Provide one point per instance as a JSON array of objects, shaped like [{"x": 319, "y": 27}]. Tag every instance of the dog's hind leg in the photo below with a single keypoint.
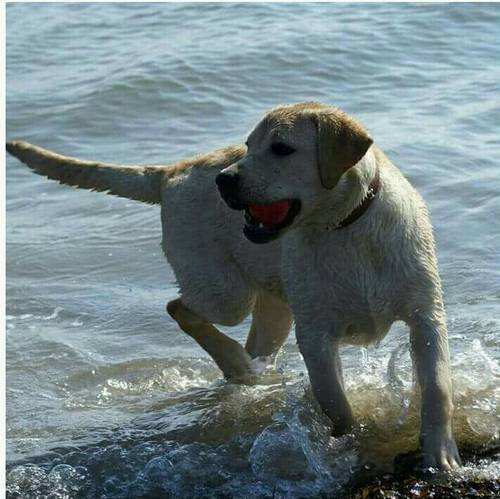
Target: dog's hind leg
[
  {"x": 271, "y": 323},
  {"x": 231, "y": 358}
]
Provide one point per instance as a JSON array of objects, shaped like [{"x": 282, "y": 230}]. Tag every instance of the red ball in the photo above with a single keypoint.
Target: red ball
[{"x": 270, "y": 214}]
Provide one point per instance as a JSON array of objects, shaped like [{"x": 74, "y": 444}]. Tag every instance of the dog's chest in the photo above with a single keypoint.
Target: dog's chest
[{"x": 342, "y": 276}]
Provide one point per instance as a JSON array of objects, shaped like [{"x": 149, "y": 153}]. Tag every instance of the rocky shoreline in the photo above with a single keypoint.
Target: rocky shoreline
[{"x": 409, "y": 481}]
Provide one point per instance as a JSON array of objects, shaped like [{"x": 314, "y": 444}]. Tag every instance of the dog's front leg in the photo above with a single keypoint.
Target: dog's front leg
[
  {"x": 231, "y": 358},
  {"x": 429, "y": 343},
  {"x": 322, "y": 359}
]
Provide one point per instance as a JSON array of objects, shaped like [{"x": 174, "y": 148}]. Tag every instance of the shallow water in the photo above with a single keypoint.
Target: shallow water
[{"x": 105, "y": 396}]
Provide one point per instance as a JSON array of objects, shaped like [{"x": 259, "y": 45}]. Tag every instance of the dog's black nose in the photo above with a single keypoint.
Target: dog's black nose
[
  {"x": 228, "y": 184},
  {"x": 228, "y": 188}
]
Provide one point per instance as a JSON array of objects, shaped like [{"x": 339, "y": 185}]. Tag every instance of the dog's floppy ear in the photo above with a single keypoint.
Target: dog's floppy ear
[{"x": 342, "y": 142}]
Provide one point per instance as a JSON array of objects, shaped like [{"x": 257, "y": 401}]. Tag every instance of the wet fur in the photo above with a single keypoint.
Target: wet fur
[{"x": 346, "y": 285}]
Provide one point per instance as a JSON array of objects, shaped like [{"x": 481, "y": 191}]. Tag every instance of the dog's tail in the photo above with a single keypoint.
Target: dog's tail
[{"x": 142, "y": 183}]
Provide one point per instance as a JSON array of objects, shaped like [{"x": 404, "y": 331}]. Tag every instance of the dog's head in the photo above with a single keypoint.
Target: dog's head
[{"x": 295, "y": 154}]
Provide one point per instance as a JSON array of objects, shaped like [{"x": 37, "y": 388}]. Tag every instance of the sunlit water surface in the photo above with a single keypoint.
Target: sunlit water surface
[{"x": 106, "y": 396}]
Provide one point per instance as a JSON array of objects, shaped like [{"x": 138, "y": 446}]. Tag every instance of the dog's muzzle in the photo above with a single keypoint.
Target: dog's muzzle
[{"x": 263, "y": 222}]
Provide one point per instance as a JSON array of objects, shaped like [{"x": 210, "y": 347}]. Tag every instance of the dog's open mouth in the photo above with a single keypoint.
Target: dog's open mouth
[{"x": 264, "y": 222}]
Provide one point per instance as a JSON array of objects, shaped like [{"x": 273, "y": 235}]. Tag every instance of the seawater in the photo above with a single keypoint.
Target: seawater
[{"x": 106, "y": 397}]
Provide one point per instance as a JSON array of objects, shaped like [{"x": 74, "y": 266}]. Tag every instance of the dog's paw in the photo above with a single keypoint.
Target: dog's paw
[
  {"x": 242, "y": 369},
  {"x": 439, "y": 450},
  {"x": 260, "y": 364}
]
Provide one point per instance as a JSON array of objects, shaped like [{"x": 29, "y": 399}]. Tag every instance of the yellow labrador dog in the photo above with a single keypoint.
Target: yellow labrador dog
[{"x": 315, "y": 220}]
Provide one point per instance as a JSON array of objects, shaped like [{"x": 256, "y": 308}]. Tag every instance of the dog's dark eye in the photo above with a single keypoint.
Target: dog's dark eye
[{"x": 281, "y": 149}]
